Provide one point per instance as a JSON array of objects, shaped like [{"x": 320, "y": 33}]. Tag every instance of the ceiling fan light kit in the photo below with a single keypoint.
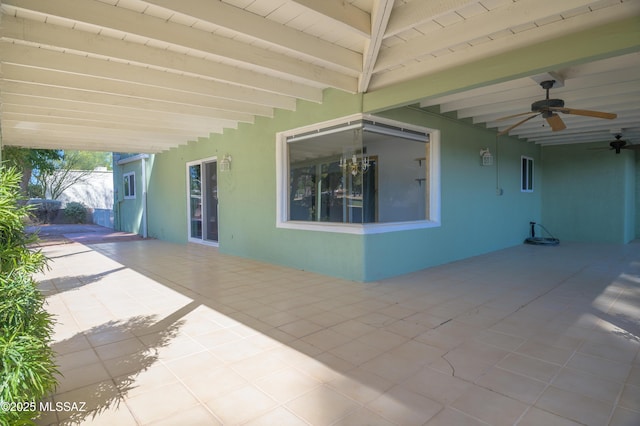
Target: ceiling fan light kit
[{"x": 548, "y": 109}]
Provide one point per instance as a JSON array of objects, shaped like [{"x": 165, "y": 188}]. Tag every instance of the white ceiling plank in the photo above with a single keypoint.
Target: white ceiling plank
[
  {"x": 380, "y": 17},
  {"x": 416, "y": 13},
  {"x": 508, "y": 16},
  {"x": 12, "y": 72},
  {"x": 503, "y": 45},
  {"x": 252, "y": 25},
  {"x": 342, "y": 12},
  {"x": 50, "y": 35},
  {"x": 238, "y": 53},
  {"x": 57, "y": 106},
  {"x": 69, "y": 62},
  {"x": 119, "y": 100},
  {"x": 122, "y": 126}
]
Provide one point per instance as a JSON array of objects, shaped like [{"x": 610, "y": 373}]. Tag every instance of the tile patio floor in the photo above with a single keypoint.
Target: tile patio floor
[{"x": 152, "y": 333}]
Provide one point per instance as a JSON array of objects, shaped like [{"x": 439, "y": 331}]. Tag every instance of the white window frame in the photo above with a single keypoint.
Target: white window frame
[
  {"x": 282, "y": 183},
  {"x": 526, "y": 174},
  {"x": 127, "y": 179}
]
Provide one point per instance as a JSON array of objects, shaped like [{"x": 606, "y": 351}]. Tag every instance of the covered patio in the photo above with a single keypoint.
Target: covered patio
[{"x": 154, "y": 333}]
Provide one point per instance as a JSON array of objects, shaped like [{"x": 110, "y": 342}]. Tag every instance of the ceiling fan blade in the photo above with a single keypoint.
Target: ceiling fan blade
[
  {"x": 504, "y": 132},
  {"x": 513, "y": 116},
  {"x": 585, "y": 112},
  {"x": 630, "y": 147},
  {"x": 555, "y": 122}
]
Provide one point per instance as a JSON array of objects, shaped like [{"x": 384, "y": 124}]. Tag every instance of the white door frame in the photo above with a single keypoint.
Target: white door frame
[{"x": 201, "y": 163}]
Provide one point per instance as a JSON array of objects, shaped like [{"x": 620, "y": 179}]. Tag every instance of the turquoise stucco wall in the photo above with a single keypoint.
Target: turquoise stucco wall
[
  {"x": 474, "y": 219},
  {"x": 128, "y": 212},
  {"x": 247, "y": 194},
  {"x": 589, "y": 194}
]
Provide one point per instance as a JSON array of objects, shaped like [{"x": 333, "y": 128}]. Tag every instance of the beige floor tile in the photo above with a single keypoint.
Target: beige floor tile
[
  {"x": 435, "y": 385},
  {"x": 155, "y": 376},
  {"x": 544, "y": 352},
  {"x": 211, "y": 384},
  {"x": 536, "y": 417},
  {"x": 161, "y": 402},
  {"x": 510, "y": 384},
  {"x": 356, "y": 352},
  {"x": 361, "y": 385},
  {"x": 300, "y": 328},
  {"x": 489, "y": 406},
  {"x": 382, "y": 339},
  {"x": 82, "y": 376},
  {"x": 322, "y": 406},
  {"x": 587, "y": 384},
  {"x": 287, "y": 384},
  {"x": 601, "y": 367},
  {"x": 197, "y": 415},
  {"x": 326, "y": 339},
  {"x": 353, "y": 328},
  {"x": 404, "y": 407},
  {"x": 528, "y": 366},
  {"x": 130, "y": 347},
  {"x": 449, "y": 417},
  {"x": 392, "y": 368},
  {"x": 625, "y": 417},
  {"x": 241, "y": 405},
  {"x": 575, "y": 406},
  {"x": 193, "y": 365},
  {"x": 278, "y": 416},
  {"x": 630, "y": 397},
  {"x": 260, "y": 365},
  {"x": 362, "y": 416},
  {"x": 236, "y": 350},
  {"x": 500, "y": 340}
]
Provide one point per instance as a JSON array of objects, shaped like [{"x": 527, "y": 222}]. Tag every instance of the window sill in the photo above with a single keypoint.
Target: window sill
[{"x": 358, "y": 229}]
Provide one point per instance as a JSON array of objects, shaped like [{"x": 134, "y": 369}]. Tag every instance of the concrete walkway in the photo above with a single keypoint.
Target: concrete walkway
[{"x": 81, "y": 233}]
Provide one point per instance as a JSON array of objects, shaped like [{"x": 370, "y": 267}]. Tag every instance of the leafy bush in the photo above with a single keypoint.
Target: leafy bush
[
  {"x": 77, "y": 212},
  {"x": 27, "y": 368}
]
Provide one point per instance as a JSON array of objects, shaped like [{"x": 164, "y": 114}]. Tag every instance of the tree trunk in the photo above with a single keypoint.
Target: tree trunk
[{"x": 26, "y": 177}]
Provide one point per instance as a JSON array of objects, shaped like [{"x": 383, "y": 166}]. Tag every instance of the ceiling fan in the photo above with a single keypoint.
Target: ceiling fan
[
  {"x": 548, "y": 108},
  {"x": 619, "y": 144}
]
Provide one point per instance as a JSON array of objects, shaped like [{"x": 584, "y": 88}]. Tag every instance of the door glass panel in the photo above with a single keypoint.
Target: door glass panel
[
  {"x": 195, "y": 201},
  {"x": 211, "y": 202}
]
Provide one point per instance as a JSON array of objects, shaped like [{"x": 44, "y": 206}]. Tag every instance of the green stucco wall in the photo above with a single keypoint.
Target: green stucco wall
[
  {"x": 128, "y": 213},
  {"x": 474, "y": 218},
  {"x": 589, "y": 194}
]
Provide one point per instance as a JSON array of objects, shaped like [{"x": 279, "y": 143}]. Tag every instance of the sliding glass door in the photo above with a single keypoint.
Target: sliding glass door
[{"x": 202, "y": 177}]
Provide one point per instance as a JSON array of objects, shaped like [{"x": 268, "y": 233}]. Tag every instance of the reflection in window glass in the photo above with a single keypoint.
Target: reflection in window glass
[{"x": 362, "y": 174}]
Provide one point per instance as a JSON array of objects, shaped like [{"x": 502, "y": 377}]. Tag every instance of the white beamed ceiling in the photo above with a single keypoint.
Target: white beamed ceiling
[{"x": 146, "y": 76}]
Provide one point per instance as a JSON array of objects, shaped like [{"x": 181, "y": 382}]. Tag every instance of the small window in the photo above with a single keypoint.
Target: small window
[
  {"x": 129, "y": 186},
  {"x": 526, "y": 184}
]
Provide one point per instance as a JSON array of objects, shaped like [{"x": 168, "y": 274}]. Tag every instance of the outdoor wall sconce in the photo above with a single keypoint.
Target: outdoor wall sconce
[
  {"x": 225, "y": 163},
  {"x": 487, "y": 158}
]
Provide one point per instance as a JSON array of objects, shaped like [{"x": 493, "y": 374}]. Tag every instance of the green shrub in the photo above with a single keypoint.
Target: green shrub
[
  {"x": 27, "y": 368},
  {"x": 77, "y": 212}
]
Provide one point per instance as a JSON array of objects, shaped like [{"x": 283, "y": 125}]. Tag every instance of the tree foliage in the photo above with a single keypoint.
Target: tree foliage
[
  {"x": 26, "y": 160},
  {"x": 27, "y": 368},
  {"x": 73, "y": 167}
]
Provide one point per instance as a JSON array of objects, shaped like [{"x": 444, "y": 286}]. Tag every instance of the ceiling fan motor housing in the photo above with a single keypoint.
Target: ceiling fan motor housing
[{"x": 540, "y": 106}]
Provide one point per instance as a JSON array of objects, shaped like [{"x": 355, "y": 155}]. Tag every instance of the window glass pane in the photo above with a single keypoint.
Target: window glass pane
[
  {"x": 357, "y": 176},
  {"x": 195, "y": 202}
]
